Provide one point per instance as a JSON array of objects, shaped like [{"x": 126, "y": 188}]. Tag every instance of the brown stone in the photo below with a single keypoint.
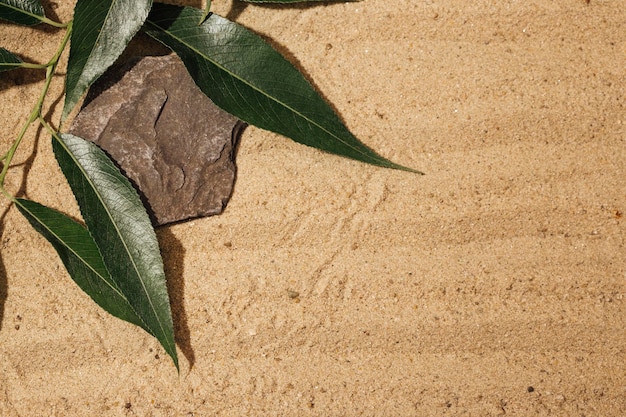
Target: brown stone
[{"x": 170, "y": 140}]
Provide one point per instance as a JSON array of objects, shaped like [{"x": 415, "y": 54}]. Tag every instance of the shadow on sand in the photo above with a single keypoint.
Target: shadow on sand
[{"x": 173, "y": 253}]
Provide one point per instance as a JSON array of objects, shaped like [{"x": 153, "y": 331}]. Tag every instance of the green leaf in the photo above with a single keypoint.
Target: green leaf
[
  {"x": 8, "y": 60},
  {"x": 121, "y": 229},
  {"x": 245, "y": 76},
  {"x": 23, "y": 12},
  {"x": 100, "y": 32},
  {"x": 81, "y": 258}
]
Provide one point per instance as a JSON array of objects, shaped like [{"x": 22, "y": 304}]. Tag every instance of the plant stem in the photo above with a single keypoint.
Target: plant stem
[
  {"x": 53, "y": 23},
  {"x": 32, "y": 66},
  {"x": 35, "y": 113},
  {"x": 207, "y": 7},
  {"x": 49, "y": 128}
]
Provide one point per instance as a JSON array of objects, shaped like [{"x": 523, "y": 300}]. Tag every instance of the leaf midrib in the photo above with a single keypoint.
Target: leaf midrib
[
  {"x": 36, "y": 16},
  {"x": 121, "y": 239},
  {"x": 58, "y": 238},
  {"x": 234, "y": 75},
  {"x": 96, "y": 41}
]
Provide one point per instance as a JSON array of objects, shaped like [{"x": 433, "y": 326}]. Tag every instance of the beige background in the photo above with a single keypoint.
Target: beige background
[{"x": 446, "y": 294}]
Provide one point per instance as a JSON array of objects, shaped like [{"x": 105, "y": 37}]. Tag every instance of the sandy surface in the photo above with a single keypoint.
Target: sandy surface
[{"x": 493, "y": 285}]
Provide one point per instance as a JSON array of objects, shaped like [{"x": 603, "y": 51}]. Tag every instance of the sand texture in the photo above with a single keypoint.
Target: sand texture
[{"x": 492, "y": 285}]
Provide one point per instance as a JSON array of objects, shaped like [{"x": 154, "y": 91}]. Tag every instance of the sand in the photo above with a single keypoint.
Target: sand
[{"x": 492, "y": 285}]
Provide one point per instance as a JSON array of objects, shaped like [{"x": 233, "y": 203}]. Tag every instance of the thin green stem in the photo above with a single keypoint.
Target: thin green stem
[
  {"x": 55, "y": 59},
  {"x": 207, "y": 8},
  {"x": 7, "y": 194},
  {"x": 32, "y": 66},
  {"x": 35, "y": 113},
  {"x": 49, "y": 128},
  {"x": 53, "y": 23}
]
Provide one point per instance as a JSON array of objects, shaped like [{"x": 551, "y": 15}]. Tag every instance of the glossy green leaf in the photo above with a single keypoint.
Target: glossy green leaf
[
  {"x": 81, "y": 258},
  {"x": 245, "y": 76},
  {"x": 101, "y": 31},
  {"x": 121, "y": 229},
  {"x": 23, "y": 12},
  {"x": 8, "y": 60}
]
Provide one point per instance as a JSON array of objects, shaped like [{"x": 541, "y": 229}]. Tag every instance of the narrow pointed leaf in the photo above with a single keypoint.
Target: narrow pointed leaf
[
  {"x": 245, "y": 76},
  {"x": 81, "y": 258},
  {"x": 23, "y": 12},
  {"x": 121, "y": 229},
  {"x": 8, "y": 60},
  {"x": 101, "y": 31}
]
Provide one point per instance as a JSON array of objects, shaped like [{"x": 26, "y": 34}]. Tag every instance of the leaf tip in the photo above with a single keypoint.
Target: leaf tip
[
  {"x": 392, "y": 165},
  {"x": 176, "y": 364},
  {"x": 411, "y": 170}
]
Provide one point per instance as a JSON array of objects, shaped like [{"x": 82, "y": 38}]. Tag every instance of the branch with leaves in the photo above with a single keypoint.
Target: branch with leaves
[{"x": 114, "y": 257}]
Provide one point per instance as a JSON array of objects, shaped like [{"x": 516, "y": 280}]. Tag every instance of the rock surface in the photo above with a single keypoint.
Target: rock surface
[{"x": 171, "y": 141}]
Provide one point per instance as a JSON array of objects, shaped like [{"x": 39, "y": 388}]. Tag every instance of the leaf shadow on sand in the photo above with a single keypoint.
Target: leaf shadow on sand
[{"x": 173, "y": 253}]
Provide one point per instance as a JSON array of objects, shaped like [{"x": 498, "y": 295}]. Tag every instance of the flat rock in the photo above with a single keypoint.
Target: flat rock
[{"x": 170, "y": 140}]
